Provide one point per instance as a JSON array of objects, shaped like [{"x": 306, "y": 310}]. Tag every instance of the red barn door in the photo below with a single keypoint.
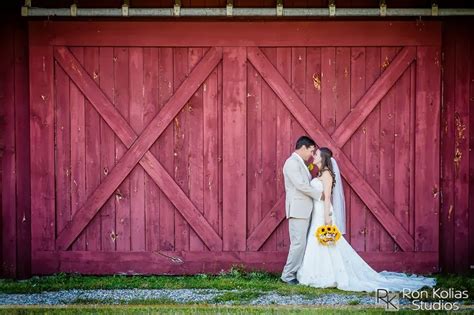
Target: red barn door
[{"x": 157, "y": 147}]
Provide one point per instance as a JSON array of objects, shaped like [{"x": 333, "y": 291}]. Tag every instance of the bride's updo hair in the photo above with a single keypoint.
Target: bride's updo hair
[{"x": 326, "y": 164}]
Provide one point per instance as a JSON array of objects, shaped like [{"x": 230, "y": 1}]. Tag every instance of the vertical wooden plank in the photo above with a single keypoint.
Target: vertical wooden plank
[
  {"x": 343, "y": 108},
  {"x": 254, "y": 148},
  {"x": 78, "y": 154},
  {"x": 401, "y": 169},
  {"x": 284, "y": 143},
  {"x": 427, "y": 149},
  {"x": 387, "y": 146},
  {"x": 461, "y": 158},
  {"x": 220, "y": 144},
  {"x": 22, "y": 131},
  {"x": 328, "y": 88},
  {"x": 268, "y": 144},
  {"x": 122, "y": 195},
  {"x": 166, "y": 157},
  {"x": 42, "y": 149},
  {"x": 181, "y": 148},
  {"x": 195, "y": 130},
  {"x": 211, "y": 161},
  {"x": 412, "y": 147},
  {"x": 63, "y": 149},
  {"x": 8, "y": 161},
  {"x": 107, "y": 148},
  {"x": 298, "y": 73},
  {"x": 447, "y": 230},
  {"x": 137, "y": 181},
  {"x": 152, "y": 192},
  {"x": 372, "y": 150},
  {"x": 358, "y": 142},
  {"x": 92, "y": 143},
  {"x": 471, "y": 154},
  {"x": 234, "y": 150},
  {"x": 313, "y": 81}
]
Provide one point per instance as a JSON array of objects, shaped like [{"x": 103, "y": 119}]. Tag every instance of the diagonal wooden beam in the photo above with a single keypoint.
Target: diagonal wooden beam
[
  {"x": 316, "y": 131},
  {"x": 265, "y": 228},
  {"x": 138, "y": 148},
  {"x": 373, "y": 96}
]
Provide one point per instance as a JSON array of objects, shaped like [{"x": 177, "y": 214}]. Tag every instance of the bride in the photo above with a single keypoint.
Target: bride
[{"x": 339, "y": 265}]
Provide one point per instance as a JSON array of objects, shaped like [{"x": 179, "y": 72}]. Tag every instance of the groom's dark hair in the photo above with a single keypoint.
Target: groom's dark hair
[{"x": 304, "y": 141}]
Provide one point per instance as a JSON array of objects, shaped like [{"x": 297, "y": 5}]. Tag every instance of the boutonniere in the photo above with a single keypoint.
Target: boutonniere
[{"x": 312, "y": 168}]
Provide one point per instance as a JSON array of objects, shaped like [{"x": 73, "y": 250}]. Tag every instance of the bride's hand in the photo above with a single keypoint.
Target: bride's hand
[{"x": 327, "y": 220}]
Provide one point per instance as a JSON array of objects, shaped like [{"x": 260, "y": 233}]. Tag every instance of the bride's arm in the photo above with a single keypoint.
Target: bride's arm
[{"x": 327, "y": 181}]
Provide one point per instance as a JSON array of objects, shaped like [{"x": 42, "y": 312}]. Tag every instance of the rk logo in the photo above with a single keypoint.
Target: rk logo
[{"x": 389, "y": 300}]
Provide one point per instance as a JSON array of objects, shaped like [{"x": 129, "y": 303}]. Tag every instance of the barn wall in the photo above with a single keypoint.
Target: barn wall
[
  {"x": 14, "y": 149},
  {"x": 457, "y": 182},
  {"x": 457, "y": 141}
]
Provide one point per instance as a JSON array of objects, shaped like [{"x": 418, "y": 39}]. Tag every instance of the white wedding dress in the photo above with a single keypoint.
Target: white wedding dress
[{"x": 340, "y": 266}]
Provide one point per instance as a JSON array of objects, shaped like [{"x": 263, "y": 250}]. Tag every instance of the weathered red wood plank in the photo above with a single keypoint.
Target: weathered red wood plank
[
  {"x": 373, "y": 95},
  {"x": 284, "y": 143},
  {"x": 402, "y": 151},
  {"x": 412, "y": 146},
  {"x": 137, "y": 180},
  {"x": 8, "y": 204},
  {"x": 211, "y": 139},
  {"x": 257, "y": 33},
  {"x": 220, "y": 144},
  {"x": 447, "y": 229},
  {"x": 358, "y": 212},
  {"x": 471, "y": 157},
  {"x": 372, "y": 149},
  {"x": 343, "y": 108},
  {"x": 107, "y": 148},
  {"x": 122, "y": 99},
  {"x": 313, "y": 81},
  {"x": 22, "y": 139},
  {"x": 328, "y": 89},
  {"x": 78, "y": 154},
  {"x": 92, "y": 148},
  {"x": 139, "y": 148},
  {"x": 42, "y": 147},
  {"x": 268, "y": 143},
  {"x": 63, "y": 149},
  {"x": 313, "y": 127},
  {"x": 195, "y": 132},
  {"x": 297, "y": 84},
  {"x": 151, "y": 107},
  {"x": 387, "y": 143},
  {"x": 165, "y": 86},
  {"x": 181, "y": 148},
  {"x": 427, "y": 149},
  {"x": 234, "y": 151},
  {"x": 461, "y": 158},
  {"x": 201, "y": 262},
  {"x": 254, "y": 148}
]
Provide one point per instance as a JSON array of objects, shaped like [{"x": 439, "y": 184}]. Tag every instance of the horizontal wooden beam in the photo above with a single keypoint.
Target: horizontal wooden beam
[
  {"x": 218, "y": 33},
  {"x": 85, "y": 262}
]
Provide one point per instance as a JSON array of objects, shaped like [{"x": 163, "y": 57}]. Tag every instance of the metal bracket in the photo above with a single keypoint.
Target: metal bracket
[
  {"x": 434, "y": 9},
  {"x": 125, "y": 6},
  {"x": 73, "y": 9},
  {"x": 177, "y": 7},
  {"x": 24, "y": 9},
  {"x": 279, "y": 8},
  {"x": 332, "y": 8},
  {"x": 383, "y": 8},
  {"x": 229, "y": 7}
]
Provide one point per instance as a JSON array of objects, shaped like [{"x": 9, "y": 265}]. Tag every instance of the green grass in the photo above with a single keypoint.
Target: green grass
[
  {"x": 234, "y": 279},
  {"x": 250, "y": 285}
]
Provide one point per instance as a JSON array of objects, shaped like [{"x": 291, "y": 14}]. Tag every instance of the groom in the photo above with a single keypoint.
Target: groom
[{"x": 299, "y": 204}]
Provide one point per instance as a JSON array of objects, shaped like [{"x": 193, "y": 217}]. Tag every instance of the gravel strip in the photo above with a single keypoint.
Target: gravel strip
[{"x": 180, "y": 296}]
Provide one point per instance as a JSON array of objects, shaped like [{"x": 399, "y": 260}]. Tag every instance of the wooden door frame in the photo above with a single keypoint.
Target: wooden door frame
[{"x": 48, "y": 41}]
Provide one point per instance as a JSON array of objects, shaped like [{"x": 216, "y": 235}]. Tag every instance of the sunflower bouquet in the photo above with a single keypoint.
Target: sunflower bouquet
[{"x": 328, "y": 234}]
